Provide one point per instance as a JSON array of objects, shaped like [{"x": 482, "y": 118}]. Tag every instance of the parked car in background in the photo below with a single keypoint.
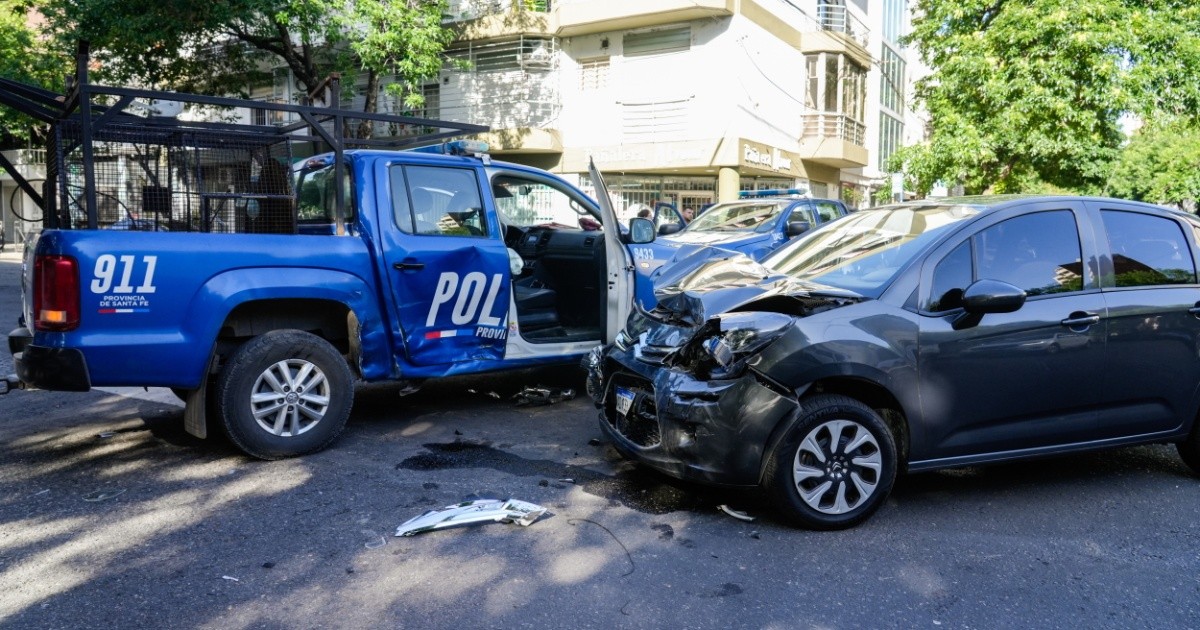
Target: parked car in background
[
  {"x": 755, "y": 225},
  {"x": 913, "y": 337}
]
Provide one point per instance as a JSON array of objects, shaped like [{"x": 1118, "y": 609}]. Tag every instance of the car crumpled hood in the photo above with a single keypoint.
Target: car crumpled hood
[{"x": 698, "y": 286}]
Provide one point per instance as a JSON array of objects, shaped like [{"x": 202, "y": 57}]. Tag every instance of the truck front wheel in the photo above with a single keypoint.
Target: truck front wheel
[{"x": 284, "y": 393}]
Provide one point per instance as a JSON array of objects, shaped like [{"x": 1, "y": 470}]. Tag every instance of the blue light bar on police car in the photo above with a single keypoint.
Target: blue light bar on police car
[{"x": 457, "y": 147}]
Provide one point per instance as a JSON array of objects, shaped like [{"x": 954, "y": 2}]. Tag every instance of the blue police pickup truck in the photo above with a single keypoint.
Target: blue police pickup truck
[{"x": 261, "y": 270}]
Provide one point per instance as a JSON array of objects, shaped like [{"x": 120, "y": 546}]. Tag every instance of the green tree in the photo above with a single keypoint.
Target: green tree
[
  {"x": 220, "y": 46},
  {"x": 399, "y": 39},
  {"x": 24, "y": 57},
  {"x": 224, "y": 46},
  {"x": 1161, "y": 164},
  {"x": 1025, "y": 96}
]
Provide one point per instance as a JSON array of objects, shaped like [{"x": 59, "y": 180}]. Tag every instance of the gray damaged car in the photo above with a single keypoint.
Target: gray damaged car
[{"x": 913, "y": 337}]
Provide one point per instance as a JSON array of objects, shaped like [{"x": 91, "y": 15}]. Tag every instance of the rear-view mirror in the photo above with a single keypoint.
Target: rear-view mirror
[
  {"x": 796, "y": 228},
  {"x": 641, "y": 230}
]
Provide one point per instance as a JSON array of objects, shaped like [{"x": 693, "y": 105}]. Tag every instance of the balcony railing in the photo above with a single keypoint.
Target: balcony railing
[
  {"x": 833, "y": 16},
  {"x": 829, "y": 125},
  {"x": 474, "y": 9}
]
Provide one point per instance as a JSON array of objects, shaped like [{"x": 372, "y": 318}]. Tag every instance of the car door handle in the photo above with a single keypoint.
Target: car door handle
[
  {"x": 409, "y": 266},
  {"x": 1081, "y": 319}
]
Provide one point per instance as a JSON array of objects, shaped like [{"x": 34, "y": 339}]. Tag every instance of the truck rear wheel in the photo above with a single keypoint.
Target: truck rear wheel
[{"x": 284, "y": 393}]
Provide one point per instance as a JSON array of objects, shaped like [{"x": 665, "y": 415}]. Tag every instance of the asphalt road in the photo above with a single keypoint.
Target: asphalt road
[{"x": 111, "y": 516}]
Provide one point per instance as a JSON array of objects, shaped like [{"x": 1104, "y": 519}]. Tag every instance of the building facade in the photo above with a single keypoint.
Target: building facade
[
  {"x": 688, "y": 101},
  {"x": 685, "y": 101}
]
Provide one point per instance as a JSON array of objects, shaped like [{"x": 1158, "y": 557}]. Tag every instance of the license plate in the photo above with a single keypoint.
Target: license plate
[{"x": 624, "y": 400}]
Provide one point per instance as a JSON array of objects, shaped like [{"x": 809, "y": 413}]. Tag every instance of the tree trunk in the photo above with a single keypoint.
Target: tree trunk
[{"x": 366, "y": 128}]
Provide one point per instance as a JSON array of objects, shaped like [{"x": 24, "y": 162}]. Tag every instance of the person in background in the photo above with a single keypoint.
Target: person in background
[
  {"x": 687, "y": 214},
  {"x": 644, "y": 213}
]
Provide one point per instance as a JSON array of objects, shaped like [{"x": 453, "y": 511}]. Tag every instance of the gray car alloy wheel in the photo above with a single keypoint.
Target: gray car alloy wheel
[
  {"x": 290, "y": 397},
  {"x": 837, "y": 466}
]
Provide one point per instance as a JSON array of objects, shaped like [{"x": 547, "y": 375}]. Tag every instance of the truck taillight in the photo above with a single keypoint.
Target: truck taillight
[{"x": 55, "y": 293}]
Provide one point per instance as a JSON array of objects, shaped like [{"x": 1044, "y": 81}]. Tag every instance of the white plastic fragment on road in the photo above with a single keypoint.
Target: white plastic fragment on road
[
  {"x": 741, "y": 516},
  {"x": 230, "y": 578},
  {"x": 469, "y": 512}
]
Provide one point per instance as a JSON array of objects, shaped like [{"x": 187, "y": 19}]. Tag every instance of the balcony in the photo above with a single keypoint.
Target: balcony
[
  {"x": 487, "y": 19},
  {"x": 834, "y": 140},
  {"x": 581, "y": 17},
  {"x": 463, "y": 10},
  {"x": 833, "y": 29},
  {"x": 834, "y": 18}
]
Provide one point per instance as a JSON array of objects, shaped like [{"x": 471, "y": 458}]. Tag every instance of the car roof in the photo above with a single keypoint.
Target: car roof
[{"x": 991, "y": 203}]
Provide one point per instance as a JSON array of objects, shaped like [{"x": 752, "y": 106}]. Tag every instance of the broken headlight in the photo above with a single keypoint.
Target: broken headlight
[{"x": 738, "y": 337}]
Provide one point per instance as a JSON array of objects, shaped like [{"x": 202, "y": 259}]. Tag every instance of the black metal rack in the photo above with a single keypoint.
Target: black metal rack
[{"x": 112, "y": 162}]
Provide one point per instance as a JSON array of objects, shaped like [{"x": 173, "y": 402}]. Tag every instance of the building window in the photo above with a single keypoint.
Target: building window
[
  {"x": 891, "y": 134},
  {"x": 840, "y": 87},
  {"x": 522, "y": 53},
  {"x": 593, "y": 74},
  {"x": 893, "y": 19},
  {"x": 891, "y": 80},
  {"x": 656, "y": 42}
]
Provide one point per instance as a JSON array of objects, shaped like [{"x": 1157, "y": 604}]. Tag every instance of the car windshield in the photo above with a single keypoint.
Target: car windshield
[
  {"x": 741, "y": 216},
  {"x": 528, "y": 202},
  {"x": 865, "y": 250}
]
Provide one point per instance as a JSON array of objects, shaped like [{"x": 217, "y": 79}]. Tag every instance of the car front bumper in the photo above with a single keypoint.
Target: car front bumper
[{"x": 714, "y": 432}]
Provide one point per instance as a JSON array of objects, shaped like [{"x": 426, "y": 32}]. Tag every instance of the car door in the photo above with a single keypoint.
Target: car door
[
  {"x": 619, "y": 271},
  {"x": 447, "y": 267},
  {"x": 1026, "y": 379},
  {"x": 1150, "y": 287}
]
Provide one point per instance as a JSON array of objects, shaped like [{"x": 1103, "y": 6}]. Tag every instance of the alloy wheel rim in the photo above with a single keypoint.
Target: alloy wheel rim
[
  {"x": 837, "y": 467},
  {"x": 290, "y": 398}
]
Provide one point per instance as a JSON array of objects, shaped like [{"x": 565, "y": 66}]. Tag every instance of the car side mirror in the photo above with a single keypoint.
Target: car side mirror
[
  {"x": 796, "y": 228},
  {"x": 988, "y": 296},
  {"x": 669, "y": 228},
  {"x": 641, "y": 230}
]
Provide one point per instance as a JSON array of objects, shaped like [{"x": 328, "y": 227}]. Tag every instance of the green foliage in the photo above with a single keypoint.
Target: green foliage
[
  {"x": 227, "y": 46},
  {"x": 1026, "y": 95},
  {"x": 400, "y": 39},
  {"x": 24, "y": 58},
  {"x": 1161, "y": 164}
]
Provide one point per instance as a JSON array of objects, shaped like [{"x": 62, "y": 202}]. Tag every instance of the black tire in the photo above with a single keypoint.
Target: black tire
[
  {"x": 1189, "y": 449},
  {"x": 855, "y": 489},
  {"x": 296, "y": 421}
]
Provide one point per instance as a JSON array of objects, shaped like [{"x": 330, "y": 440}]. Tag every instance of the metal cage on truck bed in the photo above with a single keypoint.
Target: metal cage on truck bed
[{"x": 118, "y": 159}]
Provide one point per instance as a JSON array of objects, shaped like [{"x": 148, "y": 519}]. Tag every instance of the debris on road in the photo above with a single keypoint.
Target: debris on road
[
  {"x": 628, "y": 555},
  {"x": 594, "y": 442},
  {"x": 101, "y": 495},
  {"x": 230, "y": 578},
  {"x": 469, "y": 512},
  {"x": 741, "y": 516},
  {"x": 540, "y": 395}
]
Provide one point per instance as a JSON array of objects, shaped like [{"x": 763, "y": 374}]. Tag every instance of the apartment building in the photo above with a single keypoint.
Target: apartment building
[{"x": 689, "y": 101}]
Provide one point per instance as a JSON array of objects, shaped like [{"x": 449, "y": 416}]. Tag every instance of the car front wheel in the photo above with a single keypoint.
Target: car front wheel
[
  {"x": 285, "y": 393},
  {"x": 1189, "y": 449},
  {"x": 834, "y": 467}
]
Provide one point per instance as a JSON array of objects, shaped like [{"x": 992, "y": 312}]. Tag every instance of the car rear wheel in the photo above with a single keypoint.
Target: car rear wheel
[
  {"x": 834, "y": 467},
  {"x": 284, "y": 393}
]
